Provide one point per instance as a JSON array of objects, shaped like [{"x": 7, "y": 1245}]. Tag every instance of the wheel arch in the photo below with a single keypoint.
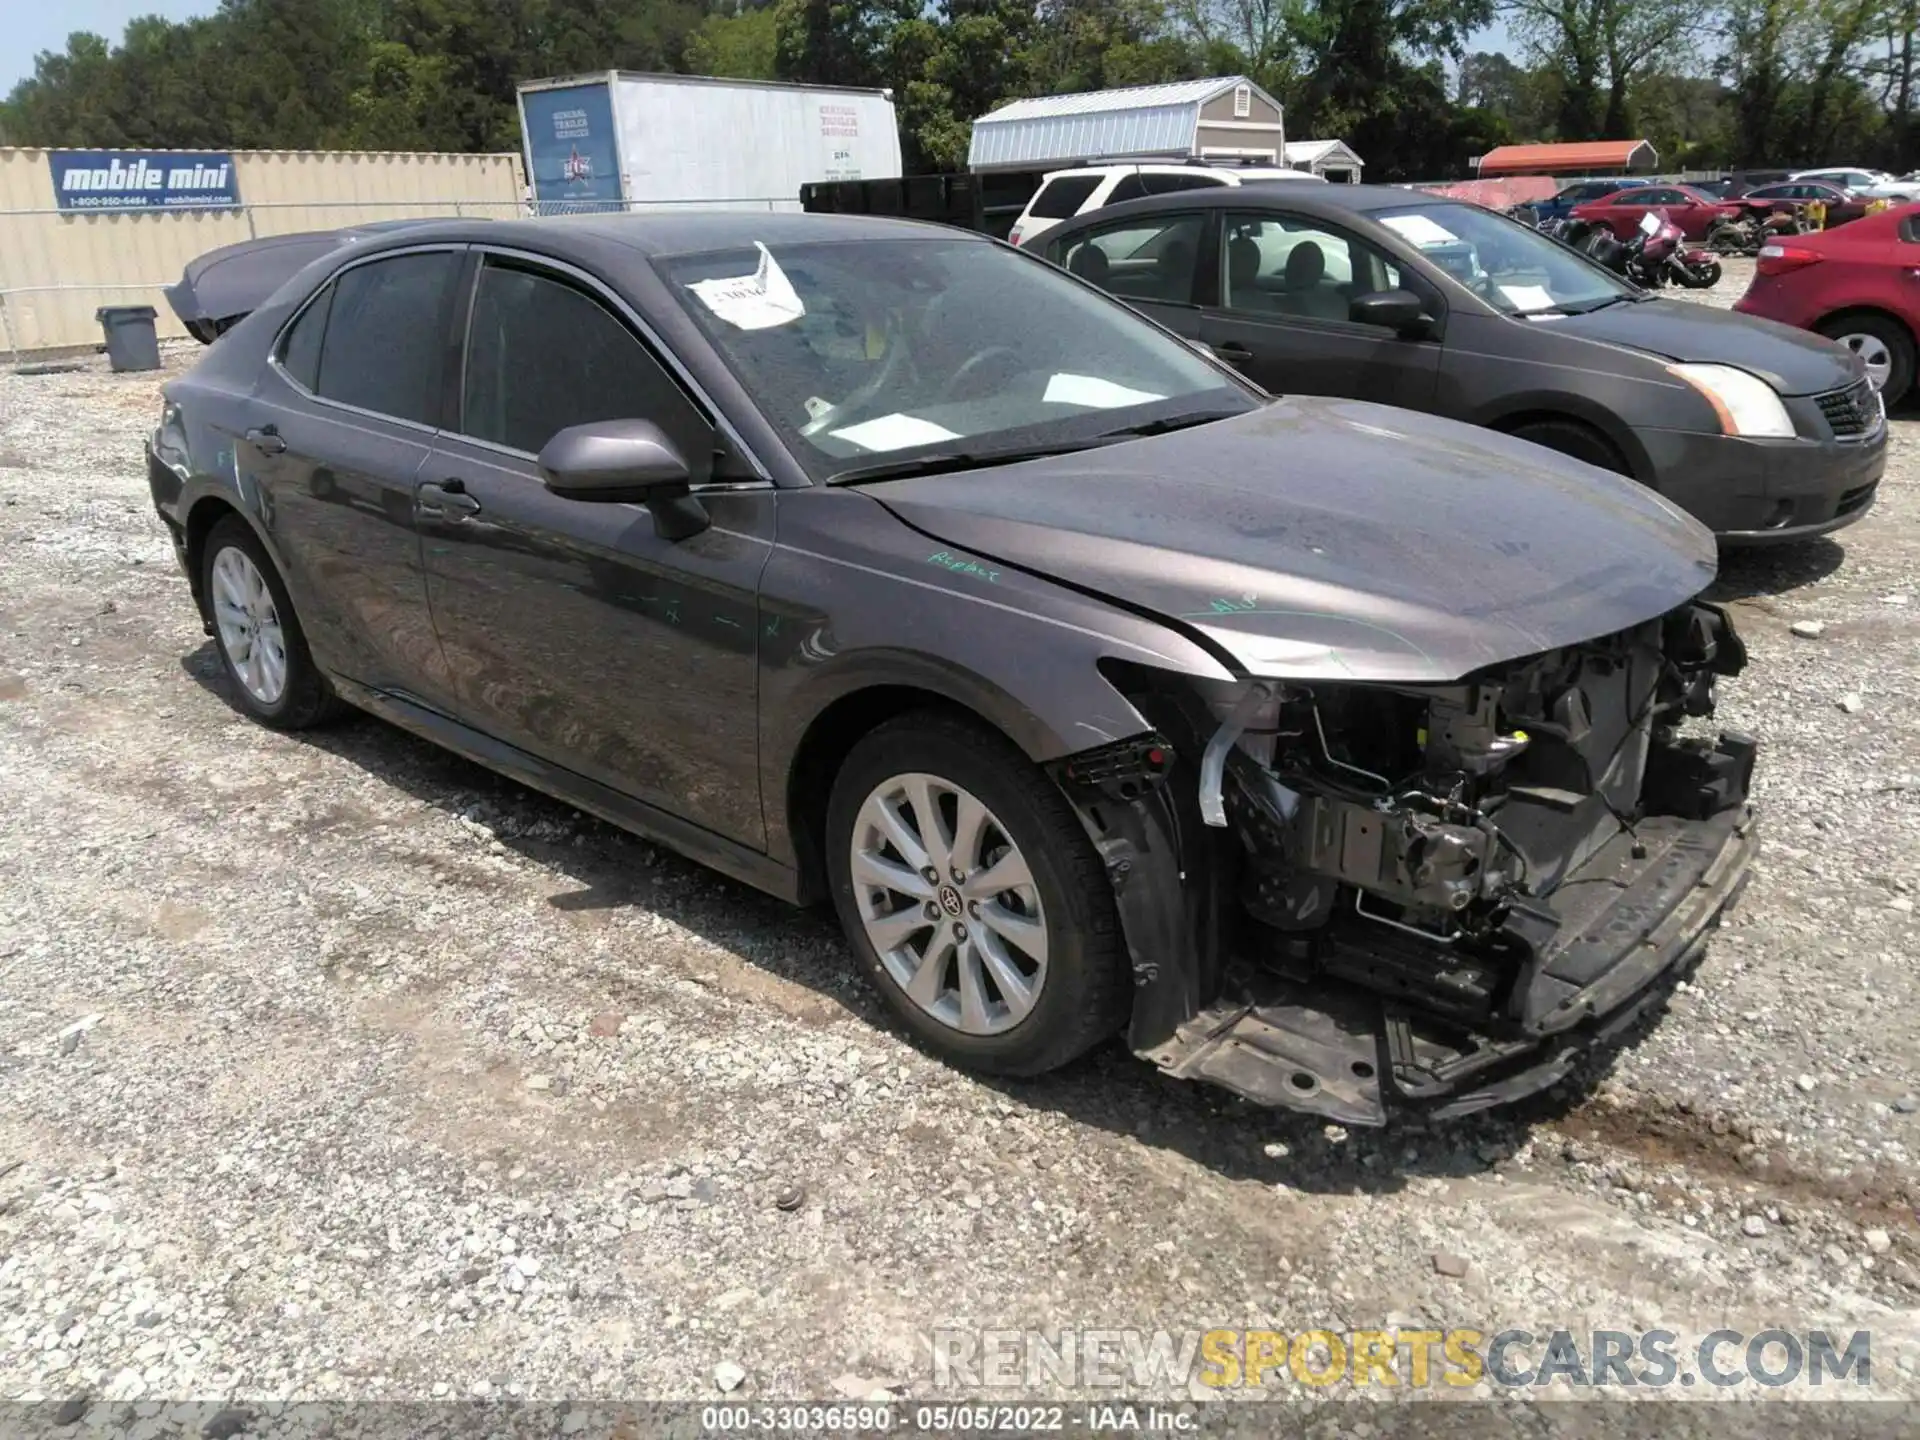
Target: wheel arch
[
  {"x": 1868, "y": 311},
  {"x": 836, "y": 727},
  {"x": 205, "y": 513},
  {"x": 832, "y": 714},
  {"x": 1573, "y": 410}
]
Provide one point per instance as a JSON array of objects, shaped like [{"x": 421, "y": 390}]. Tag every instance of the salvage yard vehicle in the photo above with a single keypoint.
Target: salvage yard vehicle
[
  {"x": 1873, "y": 184},
  {"x": 1339, "y": 755},
  {"x": 1376, "y": 293},
  {"x": 1859, "y": 286},
  {"x": 1694, "y": 211}
]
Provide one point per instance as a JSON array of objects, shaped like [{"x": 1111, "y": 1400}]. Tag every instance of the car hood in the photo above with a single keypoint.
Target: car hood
[
  {"x": 1794, "y": 362},
  {"x": 1331, "y": 539}
]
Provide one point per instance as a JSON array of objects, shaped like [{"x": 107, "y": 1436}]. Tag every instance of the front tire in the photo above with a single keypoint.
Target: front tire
[
  {"x": 258, "y": 635},
  {"x": 973, "y": 898}
]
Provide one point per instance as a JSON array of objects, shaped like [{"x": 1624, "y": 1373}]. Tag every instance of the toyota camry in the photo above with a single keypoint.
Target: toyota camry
[{"x": 1347, "y": 757}]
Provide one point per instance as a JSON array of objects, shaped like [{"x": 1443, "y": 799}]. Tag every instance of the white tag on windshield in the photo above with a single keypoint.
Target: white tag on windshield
[
  {"x": 894, "y": 432},
  {"x": 1419, "y": 230},
  {"x": 1094, "y": 393},
  {"x": 1527, "y": 297},
  {"x": 753, "y": 302}
]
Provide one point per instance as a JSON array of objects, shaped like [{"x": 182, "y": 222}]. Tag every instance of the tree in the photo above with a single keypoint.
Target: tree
[
  {"x": 1364, "y": 83},
  {"x": 741, "y": 46},
  {"x": 1523, "y": 99},
  {"x": 1600, "y": 47}
]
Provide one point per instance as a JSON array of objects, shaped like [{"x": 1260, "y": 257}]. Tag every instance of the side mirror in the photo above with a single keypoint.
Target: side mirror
[
  {"x": 625, "y": 462},
  {"x": 1400, "y": 311}
]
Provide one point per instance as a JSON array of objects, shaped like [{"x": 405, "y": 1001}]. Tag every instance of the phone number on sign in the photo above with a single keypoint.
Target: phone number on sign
[{"x": 872, "y": 1419}]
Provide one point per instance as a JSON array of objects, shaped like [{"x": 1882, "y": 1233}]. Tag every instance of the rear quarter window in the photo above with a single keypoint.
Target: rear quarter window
[
  {"x": 300, "y": 346},
  {"x": 1062, "y": 197}
]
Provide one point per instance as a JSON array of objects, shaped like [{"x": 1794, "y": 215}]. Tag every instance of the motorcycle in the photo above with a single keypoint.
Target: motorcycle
[
  {"x": 1692, "y": 267},
  {"x": 1746, "y": 235},
  {"x": 1652, "y": 258}
]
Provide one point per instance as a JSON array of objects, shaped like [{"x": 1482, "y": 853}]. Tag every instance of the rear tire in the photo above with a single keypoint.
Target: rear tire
[
  {"x": 1576, "y": 439},
  {"x": 1862, "y": 334},
  {"x": 261, "y": 644},
  {"x": 920, "y": 940},
  {"x": 1699, "y": 277}
]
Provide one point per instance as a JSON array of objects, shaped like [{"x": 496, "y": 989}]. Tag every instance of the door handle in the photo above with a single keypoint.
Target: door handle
[
  {"x": 1232, "y": 352},
  {"x": 447, "y": 498},
  {"x": 266, "y": 439}
]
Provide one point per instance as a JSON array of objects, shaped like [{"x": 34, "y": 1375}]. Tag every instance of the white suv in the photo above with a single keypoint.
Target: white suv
[{"x": 1067, "y": 193}]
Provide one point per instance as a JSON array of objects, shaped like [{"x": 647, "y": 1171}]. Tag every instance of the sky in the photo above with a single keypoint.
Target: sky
[{"x": 29, "y": 26}]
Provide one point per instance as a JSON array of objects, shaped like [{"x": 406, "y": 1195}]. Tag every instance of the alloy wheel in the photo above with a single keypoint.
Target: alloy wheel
[
  {"x": 949, "y": 904},
  {"x": 1873, "y": 350},
  {"x": 249, "y": 625}
]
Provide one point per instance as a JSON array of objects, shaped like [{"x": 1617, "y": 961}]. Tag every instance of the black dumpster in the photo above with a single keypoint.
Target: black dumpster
[{"x": 131, "y": 341}]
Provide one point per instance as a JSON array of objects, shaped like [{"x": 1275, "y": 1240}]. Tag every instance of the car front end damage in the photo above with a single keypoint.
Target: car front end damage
[{"x": 1356, "y": 898}]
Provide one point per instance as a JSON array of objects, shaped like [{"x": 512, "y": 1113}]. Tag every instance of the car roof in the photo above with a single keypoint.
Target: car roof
[
  {"x": 623, "y": 233},
  {"x": 1178, "y": 167},
  {"x": 1329, "y": 201}
]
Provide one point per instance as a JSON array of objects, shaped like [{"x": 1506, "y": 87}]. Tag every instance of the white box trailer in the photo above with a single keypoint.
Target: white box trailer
[{"x": 620, "y": 140}]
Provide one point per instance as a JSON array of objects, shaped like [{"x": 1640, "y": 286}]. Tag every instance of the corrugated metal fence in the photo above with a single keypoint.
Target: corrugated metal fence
[{"x": 57, "y": 267}]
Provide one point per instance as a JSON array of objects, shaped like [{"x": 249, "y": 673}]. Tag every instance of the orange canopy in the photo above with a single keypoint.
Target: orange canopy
[{"x": 1578, "y": 158}]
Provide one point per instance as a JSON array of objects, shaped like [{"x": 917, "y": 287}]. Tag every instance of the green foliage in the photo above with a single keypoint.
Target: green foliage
[
  {"x": 1752, "y": 81},
  {"x": 742, "y": 46}
]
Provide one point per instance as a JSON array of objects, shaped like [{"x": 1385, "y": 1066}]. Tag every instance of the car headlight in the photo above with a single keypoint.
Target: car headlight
[{"x": 1745, "y": 403}]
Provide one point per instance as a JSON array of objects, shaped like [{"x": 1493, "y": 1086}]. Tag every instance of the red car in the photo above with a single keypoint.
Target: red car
[
  {"x": 1692, "y": 210},
  {"x": 1859, "y": 285}
]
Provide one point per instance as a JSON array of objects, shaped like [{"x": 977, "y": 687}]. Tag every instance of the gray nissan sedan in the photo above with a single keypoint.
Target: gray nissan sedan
[
  {"x": 1764, "y": 432},
  {"x": 1331, "y": 753}
]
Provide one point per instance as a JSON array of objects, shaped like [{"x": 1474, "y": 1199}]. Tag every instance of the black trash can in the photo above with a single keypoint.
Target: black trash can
[{"x": 132, "y": 343}]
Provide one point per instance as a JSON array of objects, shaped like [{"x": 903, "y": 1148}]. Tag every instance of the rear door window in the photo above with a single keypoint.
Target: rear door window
[
  {"x": 386, "y": 336},
  {"x": 543, "y": 355},
  {"x": 1061, "y": 197}
]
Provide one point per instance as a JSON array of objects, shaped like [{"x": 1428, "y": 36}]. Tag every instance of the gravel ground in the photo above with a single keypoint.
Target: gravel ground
[{"x": 336, "y": 1067}]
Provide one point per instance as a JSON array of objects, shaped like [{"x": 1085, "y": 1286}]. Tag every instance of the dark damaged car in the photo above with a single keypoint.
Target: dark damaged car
[{"x": 1346, "y": 757}]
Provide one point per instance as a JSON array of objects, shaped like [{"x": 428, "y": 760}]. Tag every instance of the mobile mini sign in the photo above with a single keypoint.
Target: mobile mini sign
[{"x": 143, "y": 180}]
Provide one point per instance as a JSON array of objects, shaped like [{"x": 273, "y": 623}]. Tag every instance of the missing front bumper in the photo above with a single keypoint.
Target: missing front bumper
[{"x": 1631, "y": 924}]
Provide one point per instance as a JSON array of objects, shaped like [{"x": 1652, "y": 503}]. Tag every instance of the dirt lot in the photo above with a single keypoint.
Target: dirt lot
[{"x": 336, "y": 1067}]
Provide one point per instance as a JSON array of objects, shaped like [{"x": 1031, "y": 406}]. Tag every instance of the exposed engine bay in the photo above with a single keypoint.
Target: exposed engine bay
[{"x": 1414, "y": 889}]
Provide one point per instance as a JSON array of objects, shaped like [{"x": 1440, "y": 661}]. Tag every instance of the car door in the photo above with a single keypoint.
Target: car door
[
  {"x": 342, "y": 421},
  {"x": 1279, "y": 312},
  {"x": 1150, "y": 261},
  {"x": 574, "y": 630},
  {"x": 1624, "y": 211}
]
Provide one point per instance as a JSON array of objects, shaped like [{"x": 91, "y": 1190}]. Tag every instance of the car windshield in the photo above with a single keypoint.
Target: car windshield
[
  {"x": 1512, "y": 267},
  {"x": 868, "y": 350}
]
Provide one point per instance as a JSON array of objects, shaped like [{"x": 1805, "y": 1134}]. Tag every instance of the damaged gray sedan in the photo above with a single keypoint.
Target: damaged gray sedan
[{"x": 1345, "y": 757}]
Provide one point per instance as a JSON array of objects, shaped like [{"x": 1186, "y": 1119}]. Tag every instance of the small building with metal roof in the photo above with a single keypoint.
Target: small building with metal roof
[
  {"x": 1329, "y": 159},
  {"x": 1224, "y": 115},
  {"x": 1581, "y": 157}
]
